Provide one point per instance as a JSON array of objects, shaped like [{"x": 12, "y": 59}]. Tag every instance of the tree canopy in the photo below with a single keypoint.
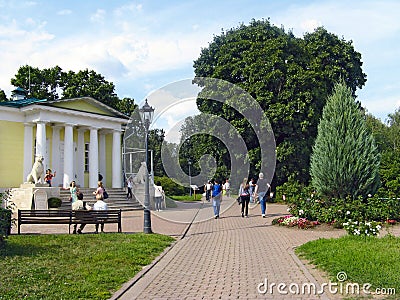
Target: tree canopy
[
  {"x": 290, "y": 77},
  {"x": 53, "y": 84}
]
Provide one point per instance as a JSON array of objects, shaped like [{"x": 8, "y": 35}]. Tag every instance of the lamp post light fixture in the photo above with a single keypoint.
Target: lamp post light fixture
[
  {"x": 190, "y": 178},
  {"x": 146, "y": 115}
]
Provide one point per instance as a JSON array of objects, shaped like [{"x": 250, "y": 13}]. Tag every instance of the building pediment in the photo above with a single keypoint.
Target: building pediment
[{"x": 85, "y": 104}]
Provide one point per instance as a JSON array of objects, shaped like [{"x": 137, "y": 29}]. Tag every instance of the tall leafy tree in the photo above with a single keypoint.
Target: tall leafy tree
[
  {"x": 89, "y": 83},
  {"x": 53, "y": 84},
  {"x": 156, "y": 139},
  {"x": 41, "y": 84},
  {"x": 290, "y": 78},
  {"x": 388, "y": 136},
  {"x": 345, "y": 159},
  {"x": 3, "y": 96}
]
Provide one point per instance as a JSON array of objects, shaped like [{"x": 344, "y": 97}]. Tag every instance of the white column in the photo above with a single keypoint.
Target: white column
[
  {"x": 93, "y": 158},
  {"x": 41, "y": 140},
  {"x": 81, "y": 157},
  {"x": 68, "y": 155},
  {"x": 55, "y": 155},
  {"x": 28, "y": 144},
  {"x": 116, "y": 160},
  {"x": 102, "y": 155}
]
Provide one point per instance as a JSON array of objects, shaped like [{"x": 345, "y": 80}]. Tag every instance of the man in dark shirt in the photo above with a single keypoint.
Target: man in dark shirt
[{"x": 262, "y": 188}]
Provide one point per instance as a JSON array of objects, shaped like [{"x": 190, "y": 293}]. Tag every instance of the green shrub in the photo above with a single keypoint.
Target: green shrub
[
  {"x": 170, "y": 187},
  {"x": 5, "y": 219},
  {"x": 291, "y": 191},
  {"x": 339, "y": 211},
  {"x": 54, "y": 202}
]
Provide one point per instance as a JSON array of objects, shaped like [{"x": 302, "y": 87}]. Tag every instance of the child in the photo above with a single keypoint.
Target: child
[{"x": 49, "y": 176}]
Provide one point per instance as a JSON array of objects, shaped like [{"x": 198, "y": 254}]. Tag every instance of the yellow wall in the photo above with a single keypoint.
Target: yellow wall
[
  {"x": 82, "y": 105},
  {"x": 11, "y": 154},
  {"x": 109, "y": 140}
]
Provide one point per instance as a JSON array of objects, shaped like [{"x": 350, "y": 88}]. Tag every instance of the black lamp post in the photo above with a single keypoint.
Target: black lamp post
[
  {"x": 190, "y": 178},
  {"x": 146, "y": 114}
]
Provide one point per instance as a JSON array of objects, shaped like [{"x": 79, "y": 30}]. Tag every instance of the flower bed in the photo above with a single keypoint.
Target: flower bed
[
  {"x": 293, "y": 221},
  {"x": 362, "y": 228}
]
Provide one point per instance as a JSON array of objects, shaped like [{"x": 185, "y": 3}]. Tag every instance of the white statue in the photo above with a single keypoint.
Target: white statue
[
  {"x": 141, "y": 174},
  {"x": 36, "y": 175}
]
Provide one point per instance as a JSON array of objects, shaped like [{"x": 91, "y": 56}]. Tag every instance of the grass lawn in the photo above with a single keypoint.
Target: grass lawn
[
  {"x": 364, "y": 259},
  {"x": 84, "y": 266},
  {"x": 187, "y": 197}
]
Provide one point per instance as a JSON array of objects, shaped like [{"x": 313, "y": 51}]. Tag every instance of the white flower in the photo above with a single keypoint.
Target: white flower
[
  {"x": 301, "y": 212},
  {"x": 347, "y": 212}
]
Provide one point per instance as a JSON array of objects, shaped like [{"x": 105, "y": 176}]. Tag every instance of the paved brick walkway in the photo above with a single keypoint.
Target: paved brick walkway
[{"x": 228, "y": 258}]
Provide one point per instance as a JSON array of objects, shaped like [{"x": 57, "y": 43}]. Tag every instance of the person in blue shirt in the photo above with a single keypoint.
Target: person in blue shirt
[{"x": 216, "y": 198}]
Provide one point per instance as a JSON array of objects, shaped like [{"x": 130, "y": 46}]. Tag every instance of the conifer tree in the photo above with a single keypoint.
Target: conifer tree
[{"x": 345, "y": 160}]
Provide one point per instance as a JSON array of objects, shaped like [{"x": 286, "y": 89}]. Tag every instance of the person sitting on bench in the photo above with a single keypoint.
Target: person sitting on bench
[
  {"x": 100, "y": 205},
  {"x": 79, "y": 205}
]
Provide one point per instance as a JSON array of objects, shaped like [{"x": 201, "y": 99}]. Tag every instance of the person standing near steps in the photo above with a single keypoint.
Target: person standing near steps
[{"x": 261, "y": 189}]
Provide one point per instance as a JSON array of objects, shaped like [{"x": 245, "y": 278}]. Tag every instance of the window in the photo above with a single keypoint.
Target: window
[{"x": 86, "y": 157}]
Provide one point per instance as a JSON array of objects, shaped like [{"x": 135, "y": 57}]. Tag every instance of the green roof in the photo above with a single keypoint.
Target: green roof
[{"x": 22, "y": 102}]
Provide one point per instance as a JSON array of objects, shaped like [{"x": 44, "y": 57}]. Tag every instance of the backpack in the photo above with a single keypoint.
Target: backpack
[{"x": 105, "y": 194}]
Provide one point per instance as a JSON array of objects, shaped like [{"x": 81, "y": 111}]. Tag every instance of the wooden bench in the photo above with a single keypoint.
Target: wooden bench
[{"x": 69, "y": 217}]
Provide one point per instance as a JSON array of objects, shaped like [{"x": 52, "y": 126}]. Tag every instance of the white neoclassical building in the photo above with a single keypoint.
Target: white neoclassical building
[{"x": 79, "y": 138}]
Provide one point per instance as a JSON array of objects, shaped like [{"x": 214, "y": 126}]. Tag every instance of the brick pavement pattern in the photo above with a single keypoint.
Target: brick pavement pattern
[{"x": 228, "y": 258}]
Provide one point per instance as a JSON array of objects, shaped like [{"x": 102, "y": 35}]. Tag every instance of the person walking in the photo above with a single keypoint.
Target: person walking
[
  {"x": 129, "y": 184},
  {"x": 244, "y": 192},
  {"x": 158, "y": 196},
  {"x": 261, "y": 189},
  {"x": 216, "y": 198},
  {"x": 252, "y": 186},
  {"x": 226, "y": 188},
  {"x": 100, "y": 205},
  {"x": 208, "y": 188}
]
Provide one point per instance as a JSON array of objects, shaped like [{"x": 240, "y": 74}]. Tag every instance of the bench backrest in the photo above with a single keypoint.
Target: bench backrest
[
  {"x": 95, "y": 216},
  {"x": 38, "y": 214}
]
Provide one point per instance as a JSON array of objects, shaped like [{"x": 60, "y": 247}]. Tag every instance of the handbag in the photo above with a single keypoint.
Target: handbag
[
  {"x": 105, "y": 194},
  {"x": 239, "y": 200}
]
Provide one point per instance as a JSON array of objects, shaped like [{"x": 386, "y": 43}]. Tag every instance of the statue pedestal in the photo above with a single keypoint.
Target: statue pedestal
[{"x": 32, "y": 196}]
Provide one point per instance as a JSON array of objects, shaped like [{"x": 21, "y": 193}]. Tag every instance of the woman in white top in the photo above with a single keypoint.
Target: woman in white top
[{"x": 158, "y": 196}]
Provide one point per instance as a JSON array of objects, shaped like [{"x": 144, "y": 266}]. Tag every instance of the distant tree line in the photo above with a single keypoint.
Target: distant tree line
[{"x": 53, "y": 84}]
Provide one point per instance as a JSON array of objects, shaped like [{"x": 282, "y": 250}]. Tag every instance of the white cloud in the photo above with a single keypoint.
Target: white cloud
[
  {"x": 361, "y": 20},
  {"x": 128, "y": 8},
  {"x": 98, "y": 16},
  {"x": 310, "y": 24},
  {"x": 64, "y": 12}
]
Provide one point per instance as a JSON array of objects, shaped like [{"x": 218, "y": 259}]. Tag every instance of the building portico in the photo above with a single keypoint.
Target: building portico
[{"x": 79, "y": 138}]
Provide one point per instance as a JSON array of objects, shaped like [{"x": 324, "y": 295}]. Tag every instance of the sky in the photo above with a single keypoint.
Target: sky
[{"x": 144, "y": 45}]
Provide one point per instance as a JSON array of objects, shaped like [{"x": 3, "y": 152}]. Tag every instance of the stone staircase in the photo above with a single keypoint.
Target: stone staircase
[{"x": 116, "y": 200}]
